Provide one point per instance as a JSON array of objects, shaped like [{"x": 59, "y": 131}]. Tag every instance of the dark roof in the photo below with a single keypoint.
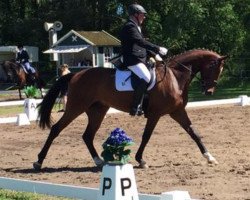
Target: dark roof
[
  {"x": 94, "y": 38},
  {"x": 100, "y": 38}
]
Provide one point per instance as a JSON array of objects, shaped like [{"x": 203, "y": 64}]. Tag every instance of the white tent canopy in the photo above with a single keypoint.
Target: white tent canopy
[
  {"x": 8, "y": 49},
  {"x": 67, "y": 49}
]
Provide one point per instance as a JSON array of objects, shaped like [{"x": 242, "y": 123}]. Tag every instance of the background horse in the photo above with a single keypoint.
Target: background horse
[
  {"x": 93, "y": 91},
  {"x": 15, "y": 73}
]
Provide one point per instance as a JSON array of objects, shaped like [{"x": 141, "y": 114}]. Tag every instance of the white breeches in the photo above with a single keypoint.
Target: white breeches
[
  {"x": 28, "y": 67},
  {"x": 141, "y": 71}
]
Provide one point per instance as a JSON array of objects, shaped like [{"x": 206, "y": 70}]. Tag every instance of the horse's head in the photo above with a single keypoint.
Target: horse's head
[
  {"x": 7, "y": 69},
  {"x": 11, "y": 70},
  {"x": 210, "y": 73}
]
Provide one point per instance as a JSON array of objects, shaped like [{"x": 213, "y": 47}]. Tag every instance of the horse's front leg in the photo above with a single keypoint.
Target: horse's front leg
[
  {"x": 182, "y": 118},
  {"x": 96, "y": 114},
  {"x": 20, "y": 94},
  {"x": 150, "y": 125}
]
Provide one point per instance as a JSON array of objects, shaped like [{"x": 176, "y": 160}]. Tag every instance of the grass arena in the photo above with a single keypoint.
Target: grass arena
[{"x": 174, "y": 160}]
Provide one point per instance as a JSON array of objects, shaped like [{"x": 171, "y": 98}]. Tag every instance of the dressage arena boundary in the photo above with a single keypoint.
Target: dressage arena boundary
[
  {"x": 87, "y": 193},
  {"x": 77, "y": 192},
  {"x": 242, "y": 100}
]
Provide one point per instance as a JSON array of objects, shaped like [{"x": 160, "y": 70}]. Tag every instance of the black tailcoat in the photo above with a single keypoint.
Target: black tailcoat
[{"x": 134, "y": 46}]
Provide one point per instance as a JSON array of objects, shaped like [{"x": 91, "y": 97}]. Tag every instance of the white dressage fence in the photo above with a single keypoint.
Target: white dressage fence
[
  {"x": 242, "y": 100},
  {"x": 78, "y": 192},
  {"x": 86, "y": 193}
]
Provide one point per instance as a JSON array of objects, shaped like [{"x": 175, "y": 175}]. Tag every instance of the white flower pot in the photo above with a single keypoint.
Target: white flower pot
[
  {"x": 30, "y": 109},
  {"x": 118, "y": 183}
]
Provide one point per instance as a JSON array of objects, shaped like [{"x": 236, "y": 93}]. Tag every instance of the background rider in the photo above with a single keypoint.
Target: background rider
[{"x": 23, "y": 58}]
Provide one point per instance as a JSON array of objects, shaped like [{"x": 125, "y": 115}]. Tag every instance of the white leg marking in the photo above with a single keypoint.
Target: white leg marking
[{"x": 210, "y": 158}]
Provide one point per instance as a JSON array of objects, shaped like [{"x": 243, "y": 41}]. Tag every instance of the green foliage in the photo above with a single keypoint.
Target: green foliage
[
  {"x": 114, "y": 147},
  {"x": 180, "y": 25},
  {"x": 31, "y": 92},
  {"x": 116, "y": 154}
]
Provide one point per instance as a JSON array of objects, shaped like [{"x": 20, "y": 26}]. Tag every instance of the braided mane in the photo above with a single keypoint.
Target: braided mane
[{"x": 190, "y": 51}]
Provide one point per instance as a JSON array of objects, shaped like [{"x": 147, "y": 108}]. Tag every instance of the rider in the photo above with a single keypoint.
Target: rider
[
  {"x": 134, "y": 50},
  {"x": 23, "y": 58}
]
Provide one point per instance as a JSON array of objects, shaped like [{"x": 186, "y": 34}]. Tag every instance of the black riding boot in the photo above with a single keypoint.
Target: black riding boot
[
  {"x": 138, "y": 98},
  {"x": 31, "y": 75}
]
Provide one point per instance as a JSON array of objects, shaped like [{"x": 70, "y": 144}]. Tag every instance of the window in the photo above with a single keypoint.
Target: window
[{"x": 107, "y": 53}]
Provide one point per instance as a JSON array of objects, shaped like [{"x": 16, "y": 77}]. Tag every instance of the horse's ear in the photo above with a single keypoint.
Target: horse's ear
[{"x": 223, "y": 57}]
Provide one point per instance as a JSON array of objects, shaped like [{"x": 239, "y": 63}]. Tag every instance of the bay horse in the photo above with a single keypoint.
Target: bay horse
[
  {"x": 15, "y": 72},
  {"x": 93, "y": 91}
]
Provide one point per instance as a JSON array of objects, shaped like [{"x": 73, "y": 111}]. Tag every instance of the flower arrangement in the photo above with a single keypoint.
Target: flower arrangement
[
  {"x": 114, "y": 147},
  {"x": 31, "y": 91}
]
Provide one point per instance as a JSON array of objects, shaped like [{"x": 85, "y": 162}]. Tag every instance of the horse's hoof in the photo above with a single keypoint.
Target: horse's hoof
[
  {"x": 210, "y": 158},
  {"x": 143, "y": 165},
  {"x": 37, "y": 166},
  {"x": 98, "y": 161},
  {"x": 213, "y": 161}
]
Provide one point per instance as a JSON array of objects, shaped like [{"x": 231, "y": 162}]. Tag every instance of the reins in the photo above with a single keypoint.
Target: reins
[
  {"x": 184, "y": 66},
  {"x": 189, "y": 69}
]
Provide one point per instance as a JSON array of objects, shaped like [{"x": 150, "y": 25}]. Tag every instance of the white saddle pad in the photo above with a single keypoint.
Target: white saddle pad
[
  {"x": 24, "y": 69},
  {"x": 123, "y": 80}
]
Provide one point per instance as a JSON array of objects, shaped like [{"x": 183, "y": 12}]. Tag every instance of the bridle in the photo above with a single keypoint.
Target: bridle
[
  {"x": 211, "y": 83},
  {"x": 204, "y": 83}
]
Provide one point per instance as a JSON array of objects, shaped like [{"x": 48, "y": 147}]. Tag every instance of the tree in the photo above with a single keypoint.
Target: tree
[{"x": 180, "y": 25}]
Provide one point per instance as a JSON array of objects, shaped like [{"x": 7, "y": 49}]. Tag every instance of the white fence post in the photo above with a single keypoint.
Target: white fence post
[{"x": 244, "y": 100}]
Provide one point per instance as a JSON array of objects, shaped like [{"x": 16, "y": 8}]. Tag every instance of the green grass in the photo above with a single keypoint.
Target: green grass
[
  {"x": 14, "y": 110},
  {"x": 9, "y": 110},
  {"x": 224, "y": 90},
  {"x": 220, "y": 93},
  {"x": 13, "y": 195}
]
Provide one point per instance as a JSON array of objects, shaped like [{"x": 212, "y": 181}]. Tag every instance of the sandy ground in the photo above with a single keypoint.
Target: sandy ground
[{"x": 175, "y": 162}]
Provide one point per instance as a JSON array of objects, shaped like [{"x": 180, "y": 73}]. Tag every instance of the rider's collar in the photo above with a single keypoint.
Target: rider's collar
[{"x": 134, "y": 21}]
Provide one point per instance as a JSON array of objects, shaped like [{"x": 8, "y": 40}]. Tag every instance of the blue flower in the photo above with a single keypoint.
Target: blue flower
[{"x": 114, "y": 147}]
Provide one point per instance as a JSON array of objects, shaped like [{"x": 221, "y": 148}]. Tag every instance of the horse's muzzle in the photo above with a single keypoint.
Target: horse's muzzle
[
  {"x": 208, "y": 88},
  {"x": 209, "y": 91}
]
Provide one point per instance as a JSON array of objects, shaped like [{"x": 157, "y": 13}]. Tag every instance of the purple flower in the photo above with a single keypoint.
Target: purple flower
[
  {"x": 118, "y": 137},
  {"x": 114, "y": 147}
]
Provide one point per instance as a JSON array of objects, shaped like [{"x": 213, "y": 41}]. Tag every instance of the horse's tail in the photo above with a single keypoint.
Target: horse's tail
[{"x": 46, "y": 106}]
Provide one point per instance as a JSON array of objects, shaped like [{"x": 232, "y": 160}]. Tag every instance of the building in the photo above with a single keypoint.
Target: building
[{"x": 86, "y": 48}]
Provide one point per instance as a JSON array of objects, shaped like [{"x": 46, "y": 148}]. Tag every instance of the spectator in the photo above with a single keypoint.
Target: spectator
[{"x": 64, "y": 70}]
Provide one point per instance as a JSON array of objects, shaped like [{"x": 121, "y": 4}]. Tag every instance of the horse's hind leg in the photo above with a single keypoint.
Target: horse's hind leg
[
  {"x": 96, "y": 114},
  {"x": 182, "y": 118},
  {"x": 41, "y": 92},
  {"x": 20, "y": 94},
  {"x": 54, "y": 132}
]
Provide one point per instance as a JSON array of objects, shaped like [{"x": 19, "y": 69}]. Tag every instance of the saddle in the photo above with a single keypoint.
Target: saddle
[
  {"x": 31, "y": 78},
  {"x": 126, "y": 80}
]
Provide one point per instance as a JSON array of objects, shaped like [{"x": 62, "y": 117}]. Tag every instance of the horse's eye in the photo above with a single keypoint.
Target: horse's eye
[{"x": 212, "y": 64}]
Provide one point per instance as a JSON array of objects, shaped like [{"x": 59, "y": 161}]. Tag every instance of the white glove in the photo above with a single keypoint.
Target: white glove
[
  {"x": 163, "y": 51},
  {"x": 158, "y": 57}
]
